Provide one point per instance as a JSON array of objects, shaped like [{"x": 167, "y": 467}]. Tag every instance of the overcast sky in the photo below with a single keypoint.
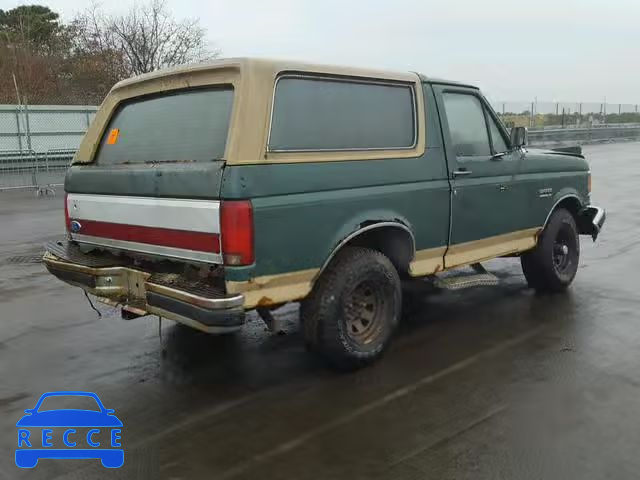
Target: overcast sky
[{"x": 567, "y": 50}]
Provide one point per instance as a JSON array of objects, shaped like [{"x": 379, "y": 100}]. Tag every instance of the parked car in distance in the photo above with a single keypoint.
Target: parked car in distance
[{"x": 202, "y": 192}]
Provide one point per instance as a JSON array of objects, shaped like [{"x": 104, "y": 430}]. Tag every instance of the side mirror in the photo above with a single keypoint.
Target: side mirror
[{"x": 519, "y": 137}]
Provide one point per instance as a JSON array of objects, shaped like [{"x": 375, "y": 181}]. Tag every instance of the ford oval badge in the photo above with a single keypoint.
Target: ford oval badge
[{"x": 75, "y": 226}]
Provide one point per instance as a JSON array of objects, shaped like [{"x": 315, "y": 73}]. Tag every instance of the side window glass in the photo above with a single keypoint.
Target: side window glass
[
  {"x": 467, "y": 126},
  {"x": 499, "y": 144},
  {"x": 316, "y": 114}
]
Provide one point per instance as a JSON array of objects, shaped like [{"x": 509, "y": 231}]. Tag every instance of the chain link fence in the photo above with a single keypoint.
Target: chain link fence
[
  {"x": 553, "y": 115},
  {"x": 37, "y": 143}
]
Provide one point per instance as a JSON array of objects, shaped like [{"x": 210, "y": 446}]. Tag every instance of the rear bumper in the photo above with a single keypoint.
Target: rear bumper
[
  {"x": 592, "y": 220},
  {"x": 136, "y": 292}
]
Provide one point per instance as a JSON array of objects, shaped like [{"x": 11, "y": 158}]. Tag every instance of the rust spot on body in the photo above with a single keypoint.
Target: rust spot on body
[{"x": 265, "y": 302}]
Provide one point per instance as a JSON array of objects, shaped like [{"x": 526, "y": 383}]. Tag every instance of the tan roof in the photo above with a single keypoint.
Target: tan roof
[
  {"x": 248, "y": 64},
  {"x": 254, "y": 80}
]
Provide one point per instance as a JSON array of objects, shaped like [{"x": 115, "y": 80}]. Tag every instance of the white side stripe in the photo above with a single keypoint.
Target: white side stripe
[{"x": 177, "y": 214}]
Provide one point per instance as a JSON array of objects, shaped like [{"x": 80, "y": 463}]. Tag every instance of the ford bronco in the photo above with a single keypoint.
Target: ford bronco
[{"x": 202, "y": 192}]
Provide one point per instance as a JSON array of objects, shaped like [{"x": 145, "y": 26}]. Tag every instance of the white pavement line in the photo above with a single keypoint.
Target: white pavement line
[
  {"x": 194, "y": 419},
  {"x": 368, "y": 407},
  {"x": 88, "y": 470},
  {"x": 470, "y": 426}
]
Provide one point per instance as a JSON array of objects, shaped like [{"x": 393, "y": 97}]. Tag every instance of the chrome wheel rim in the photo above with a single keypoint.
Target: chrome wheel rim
[{"x": 364, "y": 309}]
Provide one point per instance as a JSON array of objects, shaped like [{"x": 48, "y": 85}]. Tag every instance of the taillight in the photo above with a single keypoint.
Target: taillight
[
  {"x": 236, "y": 229},
  {"x": 67, "y": 220},
  {"x": 589, "y": 182}
]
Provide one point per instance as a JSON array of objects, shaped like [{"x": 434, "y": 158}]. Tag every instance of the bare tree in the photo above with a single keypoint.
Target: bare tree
[
  {"x": 97, "y": 60},
  {"x": 53, "y": 62},
  {"x": 147, "y": 37}
]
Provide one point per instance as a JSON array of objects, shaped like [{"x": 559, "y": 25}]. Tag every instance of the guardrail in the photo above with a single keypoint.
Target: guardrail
[
  {"x": 44, "y": 171},
  {"x": 27, "y": 169},
  {"x": 18, "y": 169},
  {"x": 584, "y": 135}
]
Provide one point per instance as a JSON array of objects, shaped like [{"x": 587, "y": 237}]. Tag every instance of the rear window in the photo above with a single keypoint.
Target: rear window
[
  {"x": 185, "y": 126},
  {"x": 312, "y": 113}
]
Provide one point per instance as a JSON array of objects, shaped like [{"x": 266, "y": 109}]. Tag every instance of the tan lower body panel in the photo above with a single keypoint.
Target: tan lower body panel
[
  {"x": 274, "y": 289},
  {"x": 427, "y": 262},
  {"x": 492, "y": 247},
  {"x": 287, "y": 287}
]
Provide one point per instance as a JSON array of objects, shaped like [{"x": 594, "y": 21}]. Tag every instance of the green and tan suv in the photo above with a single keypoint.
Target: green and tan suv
[{"x": 202, "y": 192}]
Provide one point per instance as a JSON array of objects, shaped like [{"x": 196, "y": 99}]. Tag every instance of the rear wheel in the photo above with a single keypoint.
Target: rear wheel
[
  {"x": 354, "y": 308},
  {"x": 553, "y": 264}
]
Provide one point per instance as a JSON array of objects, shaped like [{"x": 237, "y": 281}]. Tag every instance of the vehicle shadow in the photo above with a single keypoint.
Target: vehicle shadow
[
  {"x": 255, "y": 357},
  {"x": 251, "y": 357}
]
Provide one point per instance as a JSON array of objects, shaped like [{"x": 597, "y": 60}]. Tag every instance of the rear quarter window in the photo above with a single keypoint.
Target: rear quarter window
[
  {"x": 315, "y": 114},
  {"x": 188, "y": 126}
]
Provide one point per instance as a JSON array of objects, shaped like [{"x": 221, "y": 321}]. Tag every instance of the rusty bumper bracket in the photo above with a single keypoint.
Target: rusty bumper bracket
[{"x": 132, "y": 289}]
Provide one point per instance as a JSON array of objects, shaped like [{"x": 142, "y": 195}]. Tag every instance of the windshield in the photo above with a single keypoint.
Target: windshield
[
  {"x": 186, "y": 126},
  {"x": 65, "y": 402}
]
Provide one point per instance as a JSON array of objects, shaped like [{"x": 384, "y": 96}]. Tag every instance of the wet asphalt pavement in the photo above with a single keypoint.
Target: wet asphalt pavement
[{"x": 487, "y": 383}]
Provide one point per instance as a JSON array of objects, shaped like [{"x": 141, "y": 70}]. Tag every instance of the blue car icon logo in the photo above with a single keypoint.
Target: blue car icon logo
[{"x": 85, "y": 434}]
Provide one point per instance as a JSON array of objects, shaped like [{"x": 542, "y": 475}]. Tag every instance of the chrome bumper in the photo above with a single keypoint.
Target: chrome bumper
[
  {"x": 592, "y": 220},
  {"x": 133, "y": 290}
]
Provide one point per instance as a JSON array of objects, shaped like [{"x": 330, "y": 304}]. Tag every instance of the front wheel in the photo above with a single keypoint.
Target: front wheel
[
  {"x": 552, "y": 265},
  {"x": 354, "y": 308}
]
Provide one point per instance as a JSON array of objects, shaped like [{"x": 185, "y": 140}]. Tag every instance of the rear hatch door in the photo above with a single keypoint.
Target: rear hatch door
[{"x": 154, "y": 184}]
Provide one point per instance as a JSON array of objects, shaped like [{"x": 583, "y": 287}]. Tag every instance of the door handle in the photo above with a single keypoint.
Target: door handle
[{"x": 461, "y": 173}]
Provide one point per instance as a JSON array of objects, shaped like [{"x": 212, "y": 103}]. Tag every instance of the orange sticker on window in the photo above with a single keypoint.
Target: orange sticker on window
[{"x": 113, "y": 136}]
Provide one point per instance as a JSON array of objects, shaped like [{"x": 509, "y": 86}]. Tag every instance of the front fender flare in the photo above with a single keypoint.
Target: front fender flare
[{"x": 561, "y": 196}]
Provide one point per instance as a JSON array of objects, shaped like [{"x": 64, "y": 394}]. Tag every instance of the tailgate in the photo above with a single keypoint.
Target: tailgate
[{"x": 169, "y": 227}]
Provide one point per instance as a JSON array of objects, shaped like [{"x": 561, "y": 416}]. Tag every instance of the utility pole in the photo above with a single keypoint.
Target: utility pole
[
  {"x": 15, "y": 84},
  {"x": 531, "y": 122},
  {"x": 18, "y": 108}
]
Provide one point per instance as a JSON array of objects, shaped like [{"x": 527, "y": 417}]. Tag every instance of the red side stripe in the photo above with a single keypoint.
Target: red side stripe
[{"x": 166, "y": 237}]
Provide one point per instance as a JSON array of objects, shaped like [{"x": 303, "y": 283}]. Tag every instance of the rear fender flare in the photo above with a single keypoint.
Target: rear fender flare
[{"x": 364, "y": 227}]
